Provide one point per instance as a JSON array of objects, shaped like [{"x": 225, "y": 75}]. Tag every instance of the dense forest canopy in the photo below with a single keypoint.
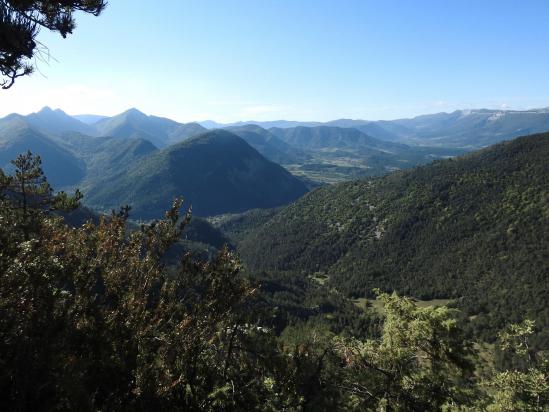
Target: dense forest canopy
[{"x": 472, "y": 229}]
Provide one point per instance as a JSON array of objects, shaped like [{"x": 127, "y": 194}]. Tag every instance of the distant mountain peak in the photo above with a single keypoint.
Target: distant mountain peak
[
  {"x": 134, "y": 112},
  {"x": 210, "y": 124},
  {"x": 45, "y": 109},
  {"x": 160, "y": 131},
  {"x": 56, "y": 121},
  {"x": 13, "y": 116},
  {"x": 192, "y": 124}
]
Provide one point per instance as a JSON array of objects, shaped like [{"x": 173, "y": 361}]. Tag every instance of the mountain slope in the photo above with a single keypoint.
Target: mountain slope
[
  {"x": 160, "y": 131},
  {"x": 104, "y": 156},
  {"x": 373, "y": 129},
  {"x": 269, "y": 145},
  {"x": 324, "y": 137},
  {"x": 61, "y": 166},
  {"x": 469, "y": 129},
  {"x": 475, "y": 229},
  {"x": 89, "y": 118},
  {"x": 53, "y": 122},
  {"x": 217, "y": 172},
  {"x": 473, "y": 128}
]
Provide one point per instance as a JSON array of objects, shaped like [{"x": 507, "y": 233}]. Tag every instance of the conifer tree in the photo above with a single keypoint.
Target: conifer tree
[{"x": 20, "y": 23}]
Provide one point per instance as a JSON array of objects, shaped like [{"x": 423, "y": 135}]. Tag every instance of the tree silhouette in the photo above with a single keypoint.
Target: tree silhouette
[{"x": 20, "y": 23}]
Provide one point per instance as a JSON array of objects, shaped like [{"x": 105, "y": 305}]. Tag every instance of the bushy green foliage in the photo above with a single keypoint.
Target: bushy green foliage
[
  {"x": 420, "y": 362},
  {"x": 524, "y": 388},
  {"x": 293, "y": 300},
  {"x": 92, "y": 320}
]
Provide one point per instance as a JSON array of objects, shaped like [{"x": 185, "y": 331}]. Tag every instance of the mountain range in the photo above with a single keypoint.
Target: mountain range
[
  {"x": 269, "y": 145},
  {"x": 466, "y": 129},
  {"x": 469, "y": 129},
  {"x": 145, "y": 160},
  {"x": 102, "y": 145},
  {"x": 160, "y": 131}
]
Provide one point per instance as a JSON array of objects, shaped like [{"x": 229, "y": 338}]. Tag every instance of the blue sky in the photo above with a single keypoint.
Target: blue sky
[{"x": 231, "y": 60}]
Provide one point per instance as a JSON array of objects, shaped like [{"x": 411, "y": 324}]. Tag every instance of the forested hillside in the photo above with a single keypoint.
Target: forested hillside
[
  {"x": 474, "y": 229},
  {"x": 217, "y": 172}
]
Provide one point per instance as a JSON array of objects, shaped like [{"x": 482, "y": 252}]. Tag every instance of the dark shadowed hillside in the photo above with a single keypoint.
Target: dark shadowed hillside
[{"x": 216, "y": 172}]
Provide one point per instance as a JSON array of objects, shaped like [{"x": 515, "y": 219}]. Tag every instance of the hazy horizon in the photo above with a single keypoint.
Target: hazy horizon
[
  {"x": 309, "y": 61},
  {"x": 266, "y": 120}
]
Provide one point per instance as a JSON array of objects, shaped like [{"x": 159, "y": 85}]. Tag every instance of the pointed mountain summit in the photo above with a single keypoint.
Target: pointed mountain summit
[
  {"x": 53, "y": 122},
  {"x": 133, "y": 114},
  {"x": 160, "y": 131},
  {"x": 217, "y": 172}
]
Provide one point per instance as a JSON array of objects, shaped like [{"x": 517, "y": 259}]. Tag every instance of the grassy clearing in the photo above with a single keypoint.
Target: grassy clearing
[
  {"x": 319, "y": 277},
  {"x": 377, "y": 305},
  {"x": 328, "y": 168},
  {"x": 432, "y": 302}
]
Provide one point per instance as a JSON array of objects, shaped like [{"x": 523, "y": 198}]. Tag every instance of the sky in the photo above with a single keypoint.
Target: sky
[{"x": 231, "y": 60}]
